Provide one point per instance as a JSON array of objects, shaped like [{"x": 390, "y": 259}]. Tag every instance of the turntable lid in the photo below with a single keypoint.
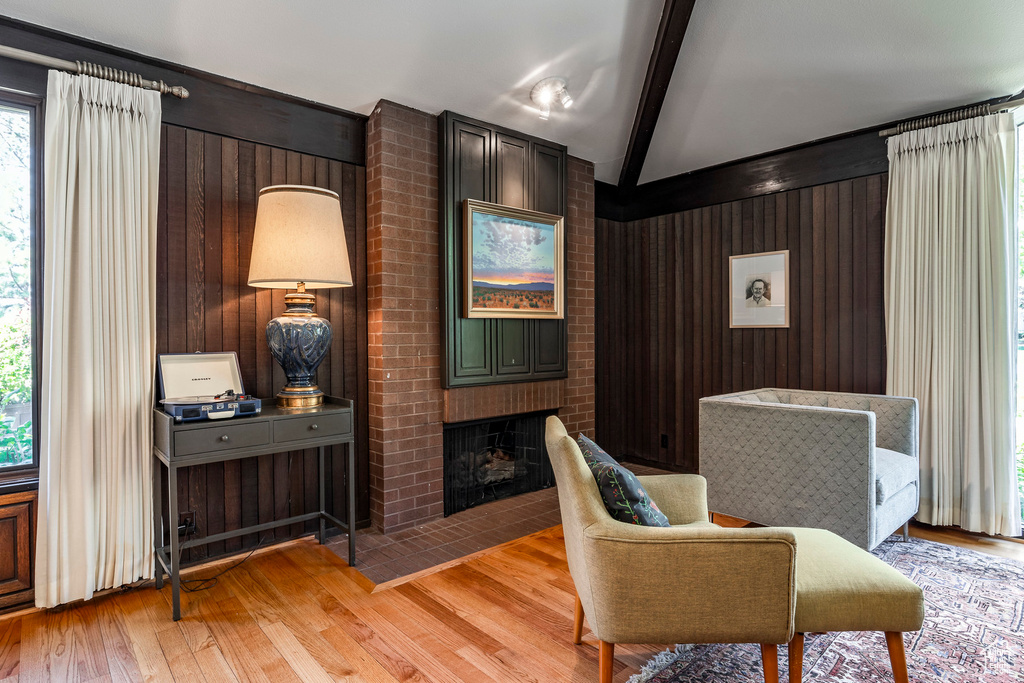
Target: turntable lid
[{"x": 198, "y": 374}]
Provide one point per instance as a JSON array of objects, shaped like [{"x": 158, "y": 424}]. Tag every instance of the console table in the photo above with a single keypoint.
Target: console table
[{"x": 177, "y": 446}]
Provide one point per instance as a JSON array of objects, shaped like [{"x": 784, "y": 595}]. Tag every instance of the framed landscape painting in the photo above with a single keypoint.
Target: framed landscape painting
[
  {"x": 758, "y": 289},
  {"x": 514, "y": 262}
]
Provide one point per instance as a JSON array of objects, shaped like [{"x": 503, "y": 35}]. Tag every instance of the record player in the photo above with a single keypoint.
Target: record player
[{"x": 203, "y": 386}]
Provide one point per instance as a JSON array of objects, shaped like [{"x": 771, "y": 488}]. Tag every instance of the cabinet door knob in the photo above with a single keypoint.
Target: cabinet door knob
[
  {"x": 314, "y": 426},
  {"x": 224, "y": 438}
]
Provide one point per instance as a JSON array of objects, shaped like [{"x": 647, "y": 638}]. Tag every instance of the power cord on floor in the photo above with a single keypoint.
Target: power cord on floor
[{"x": 196, "y": 585}]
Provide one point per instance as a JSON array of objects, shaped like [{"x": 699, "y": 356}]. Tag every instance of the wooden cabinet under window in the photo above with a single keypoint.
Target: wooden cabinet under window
[{"x": 17, "y": 540}]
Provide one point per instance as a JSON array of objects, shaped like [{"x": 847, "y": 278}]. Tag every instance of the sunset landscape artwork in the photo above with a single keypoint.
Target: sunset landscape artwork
[{"x": 514, "y": 264}]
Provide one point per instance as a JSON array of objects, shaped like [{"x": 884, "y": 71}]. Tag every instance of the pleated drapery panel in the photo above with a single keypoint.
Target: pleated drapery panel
[
  {"x": 950, "y": 307},
  {"x": 101, "y": 180}
]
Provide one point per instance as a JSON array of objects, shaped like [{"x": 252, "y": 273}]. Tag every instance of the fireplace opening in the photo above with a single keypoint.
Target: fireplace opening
[{"x": 486, "y": 460}]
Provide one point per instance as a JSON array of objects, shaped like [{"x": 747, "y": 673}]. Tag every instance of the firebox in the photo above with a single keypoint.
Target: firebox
[{"x": 485, "y": 460}]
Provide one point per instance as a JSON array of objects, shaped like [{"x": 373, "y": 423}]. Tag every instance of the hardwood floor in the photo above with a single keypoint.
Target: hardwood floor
[{"x": 298, "y": 613}]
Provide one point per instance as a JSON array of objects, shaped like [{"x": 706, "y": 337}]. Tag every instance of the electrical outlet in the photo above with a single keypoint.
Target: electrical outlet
[
  {"x": 664, "y": 440},
  {"x": 187, "y": 523}
]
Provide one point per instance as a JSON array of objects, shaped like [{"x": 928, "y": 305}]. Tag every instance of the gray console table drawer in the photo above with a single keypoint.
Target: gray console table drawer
[
  {"x": 312, "y": 427},
  {"x": 221, "y": 438}
]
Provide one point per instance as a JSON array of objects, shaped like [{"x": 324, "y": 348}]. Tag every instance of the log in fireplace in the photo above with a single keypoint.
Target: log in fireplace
[{"x": 485, "y": 460}]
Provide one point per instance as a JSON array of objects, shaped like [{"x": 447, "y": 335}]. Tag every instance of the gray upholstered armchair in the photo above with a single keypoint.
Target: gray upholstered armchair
[{"x": 843, "y": 462}]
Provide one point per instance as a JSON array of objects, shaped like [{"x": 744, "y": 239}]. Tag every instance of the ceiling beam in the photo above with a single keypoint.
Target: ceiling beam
[{"x": 674, "y": 20}]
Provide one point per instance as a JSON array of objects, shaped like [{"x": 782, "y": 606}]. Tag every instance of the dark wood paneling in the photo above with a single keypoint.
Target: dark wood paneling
[
  {"x": 209, "y": 188},
  {"x": 494, "y": 164},
  {"x": 662, "y": 331},
  {"x": 815, "y": 163},
  {"x": 216, "y": 104}
]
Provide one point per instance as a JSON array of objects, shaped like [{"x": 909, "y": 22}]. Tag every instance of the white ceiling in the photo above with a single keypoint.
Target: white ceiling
[
  {"x": 752, "y": 75},
  {"x": 758, "y": 76}
]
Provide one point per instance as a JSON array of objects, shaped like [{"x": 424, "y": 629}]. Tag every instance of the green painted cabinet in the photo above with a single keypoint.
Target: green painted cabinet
[{"x": 494, "y": 164}]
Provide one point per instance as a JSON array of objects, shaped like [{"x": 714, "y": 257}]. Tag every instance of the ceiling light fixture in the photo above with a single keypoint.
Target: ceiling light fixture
[{"x": 548, "y": 91}]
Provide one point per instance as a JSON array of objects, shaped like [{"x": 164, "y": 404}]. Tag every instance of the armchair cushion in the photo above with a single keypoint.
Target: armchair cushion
[
  {"x": 893, "y": 471},
  {"x": 623, "y": 496}
]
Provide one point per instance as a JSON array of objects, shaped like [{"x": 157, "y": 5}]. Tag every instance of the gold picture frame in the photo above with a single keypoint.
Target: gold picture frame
[
  {"x": 759, "y": 289},
  {"x": 513, "y": 262}
]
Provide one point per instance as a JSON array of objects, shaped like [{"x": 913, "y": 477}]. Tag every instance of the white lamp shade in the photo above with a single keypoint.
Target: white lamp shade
[{"x": 299, "y": 237}]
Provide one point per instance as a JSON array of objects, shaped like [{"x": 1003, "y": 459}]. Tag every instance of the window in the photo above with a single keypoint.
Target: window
[{"x": 18, "y": 277}]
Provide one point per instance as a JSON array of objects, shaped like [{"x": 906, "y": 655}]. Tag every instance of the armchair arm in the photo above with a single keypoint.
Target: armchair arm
[
  {"x": 788, "y": 465},
  {"x": 896, "y": 423},
  {"x": 682, "y": 497},
  {"x": 689, "y": 584}
]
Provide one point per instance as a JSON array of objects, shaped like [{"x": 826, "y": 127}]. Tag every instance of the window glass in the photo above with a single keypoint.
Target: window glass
[{"x": 15, "y": 288}]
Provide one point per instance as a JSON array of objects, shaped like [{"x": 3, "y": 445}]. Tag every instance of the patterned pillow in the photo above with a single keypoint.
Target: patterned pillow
[{"x": 623, "y": 496}]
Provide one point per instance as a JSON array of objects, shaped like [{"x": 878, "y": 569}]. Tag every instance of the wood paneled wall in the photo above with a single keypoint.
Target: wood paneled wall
[
  {"x": 208, "y": 190},
  {"x": 662, "y": 332}
]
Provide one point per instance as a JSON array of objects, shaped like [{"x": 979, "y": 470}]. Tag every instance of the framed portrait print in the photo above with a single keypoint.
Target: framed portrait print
[
  {"x": 759, "y": 290},
  {"x": 513, "y": 262}
]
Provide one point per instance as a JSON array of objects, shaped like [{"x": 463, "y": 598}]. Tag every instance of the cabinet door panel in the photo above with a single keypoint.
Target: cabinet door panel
[
  {"x": 472, "y": 354},
  {"x": 17, "y": 527},
  {"x": 473, "y": 357},
  {"x": 511, "y": 171},
  {"x": 548, "y": 175},
  {"x": 514, "y": 347},
  {"x": 549, "y": 346}
]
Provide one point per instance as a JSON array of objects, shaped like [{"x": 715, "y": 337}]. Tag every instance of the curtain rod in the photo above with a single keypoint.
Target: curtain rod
[
  {"x": 95, "y": 70},
  {"x": 951, "y": 116}
]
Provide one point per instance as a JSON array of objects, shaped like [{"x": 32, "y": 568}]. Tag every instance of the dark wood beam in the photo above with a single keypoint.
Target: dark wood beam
[
  {"x": 824, "y": 161},
  {"x": 674, "y": 20}
]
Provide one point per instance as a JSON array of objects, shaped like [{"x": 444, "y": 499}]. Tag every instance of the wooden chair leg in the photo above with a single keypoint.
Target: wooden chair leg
[
  {"x": 577, "y": 624},
  {"x": 605, "y": 658},
  {"x": 897, "y": 656},
  {"x": 796, "y": 658},
  {"x": 770, "y": 660}
]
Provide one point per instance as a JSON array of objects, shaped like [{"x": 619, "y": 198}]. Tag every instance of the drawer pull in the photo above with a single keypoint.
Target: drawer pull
[
  {"x": 314, "y": 427},
  {"x": 224, "y": 438}
]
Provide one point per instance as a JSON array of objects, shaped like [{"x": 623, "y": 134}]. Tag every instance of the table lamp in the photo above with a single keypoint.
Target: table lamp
[{"x": 299, "y": 242}]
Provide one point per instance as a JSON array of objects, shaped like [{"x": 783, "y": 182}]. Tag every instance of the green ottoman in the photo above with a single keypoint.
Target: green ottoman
[{"x": 840, "y": 587}]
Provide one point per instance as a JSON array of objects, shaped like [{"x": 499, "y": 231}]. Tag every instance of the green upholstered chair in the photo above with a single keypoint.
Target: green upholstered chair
[{"x": 695, "y": 582}]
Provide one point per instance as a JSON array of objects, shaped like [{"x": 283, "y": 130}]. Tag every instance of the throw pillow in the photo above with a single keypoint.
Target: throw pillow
[{"x": 623, "y": 496}]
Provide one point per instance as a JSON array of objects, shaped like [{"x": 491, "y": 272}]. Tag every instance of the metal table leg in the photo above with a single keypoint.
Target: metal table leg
[
  {"x": 172, "y": 515},
  {"x": 350, "y": 471},
  {"x": 323, "y": 531},
  {"x": 158, "y": 511}
]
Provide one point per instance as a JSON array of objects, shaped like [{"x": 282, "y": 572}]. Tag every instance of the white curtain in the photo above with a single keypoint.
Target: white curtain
[
  {"x": 950, "y": 307},
  {"x": 101, "y": 167}
]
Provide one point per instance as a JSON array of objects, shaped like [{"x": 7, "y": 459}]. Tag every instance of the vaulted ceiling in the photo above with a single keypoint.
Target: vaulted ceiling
[{"x": 751, "y": 75}]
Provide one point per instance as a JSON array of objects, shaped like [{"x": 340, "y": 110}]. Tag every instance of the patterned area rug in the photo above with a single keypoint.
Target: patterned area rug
[{"x": 974, "y": 609}]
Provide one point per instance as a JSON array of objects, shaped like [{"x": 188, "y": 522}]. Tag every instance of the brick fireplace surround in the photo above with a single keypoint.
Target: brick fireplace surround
[{"x": 407, "y": 406}]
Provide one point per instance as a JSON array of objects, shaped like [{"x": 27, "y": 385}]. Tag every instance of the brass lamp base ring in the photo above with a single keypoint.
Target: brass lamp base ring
[{"x": 290, "y": 400}]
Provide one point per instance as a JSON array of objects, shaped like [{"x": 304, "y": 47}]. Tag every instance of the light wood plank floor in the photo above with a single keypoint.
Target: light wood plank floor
[{"x": 298, "y": 613}]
